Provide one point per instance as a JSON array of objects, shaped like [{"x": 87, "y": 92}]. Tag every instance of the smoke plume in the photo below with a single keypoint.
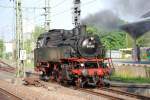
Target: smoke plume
[
  {"x": 105, "y": 20},
  {"x": 117, "y": 12},
  {"x": 129, "y": 10}
]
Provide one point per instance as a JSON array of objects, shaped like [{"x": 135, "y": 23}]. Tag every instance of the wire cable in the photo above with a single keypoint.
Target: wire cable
[
  {"x": 67, "y": 10},
  {"x": 58, "y": 4},
  {"x": 1, "y": 6}
]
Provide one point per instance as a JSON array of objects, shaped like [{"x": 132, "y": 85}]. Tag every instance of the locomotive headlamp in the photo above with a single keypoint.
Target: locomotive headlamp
[
  {"x": 85, "y": 42},
  {"x": 92, "y": 38}
]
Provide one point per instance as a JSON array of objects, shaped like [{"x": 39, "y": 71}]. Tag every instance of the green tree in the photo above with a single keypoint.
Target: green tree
[
  {"x": 8, "y": 55},
  {"x": 91, "y": 30},
  {"x": 144, "y": 40},
  {"x": 29, "y": 43},
  {"x": 1, "y": 48},
  {"x": 38, "y": 30},
  {"x": 129, "y": 41},
  {"x": 112, "y": 40},
  {"x": 94, "y": 30},
  {"x": 28, "y": 46}
]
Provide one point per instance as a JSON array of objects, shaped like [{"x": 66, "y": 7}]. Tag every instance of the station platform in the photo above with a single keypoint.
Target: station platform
[
  {"x": 129, "y": 85},
  {"x": 125, "y": 61}
]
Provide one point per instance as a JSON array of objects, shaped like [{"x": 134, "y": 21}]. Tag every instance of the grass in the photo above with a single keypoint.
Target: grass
[{"x": 130, "y": 79}]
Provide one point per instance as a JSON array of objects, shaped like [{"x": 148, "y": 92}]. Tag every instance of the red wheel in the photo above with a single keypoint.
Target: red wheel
[{"x": 59, "y": 78}]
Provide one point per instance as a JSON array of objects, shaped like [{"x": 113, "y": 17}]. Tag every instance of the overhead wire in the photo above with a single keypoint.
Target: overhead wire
[
  {"x": 38, "y": 2},
  {"x": 58, "y": 4},
  {"x": 59, "y": 13},
  {"x": 89, "y": 2},
  {"x": 2, "y": 6},
  {"x": 44, "y": 7},
  {"x": 67, "y": 10},
  {"x": 62, "y": 12}
]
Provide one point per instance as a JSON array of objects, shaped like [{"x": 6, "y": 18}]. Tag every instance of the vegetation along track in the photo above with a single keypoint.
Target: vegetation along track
[
  {"x": 6, "y": 67},
  {"x": 5, "y": 95}
]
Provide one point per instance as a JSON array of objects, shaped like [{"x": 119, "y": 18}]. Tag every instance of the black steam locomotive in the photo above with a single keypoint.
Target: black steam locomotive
[{"x": 65, "y": 55}]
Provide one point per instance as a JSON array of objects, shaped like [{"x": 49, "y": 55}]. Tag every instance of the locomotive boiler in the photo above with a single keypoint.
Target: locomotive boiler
[{"x": 71, "y": 56}]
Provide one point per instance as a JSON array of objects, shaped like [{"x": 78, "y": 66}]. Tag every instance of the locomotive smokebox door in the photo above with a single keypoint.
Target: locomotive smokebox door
[{"x": 89, "y": 46}]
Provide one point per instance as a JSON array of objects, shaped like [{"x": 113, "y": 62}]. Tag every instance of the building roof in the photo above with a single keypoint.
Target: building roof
[
  {"x": 137, "y": 29},
  {"x": 146, "y": 15}
]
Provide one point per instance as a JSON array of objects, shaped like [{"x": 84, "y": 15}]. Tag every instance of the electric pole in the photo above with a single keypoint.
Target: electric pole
[
  {"x": 47, "y": 15},
  {"x": 77, "y": 13},
  {"x": 19, "y": 37},
  {"x": 78, "y": 29}
]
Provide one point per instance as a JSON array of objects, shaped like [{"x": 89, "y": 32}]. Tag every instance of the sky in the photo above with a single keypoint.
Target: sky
[{"x": 61, "y": 13}]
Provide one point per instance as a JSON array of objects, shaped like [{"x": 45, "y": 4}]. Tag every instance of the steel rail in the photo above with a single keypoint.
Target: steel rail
[
  {"x": 7, "y": 67},
  {"x": 10, "y": 95},
  {"x": 126, "y": 93},
  {"x": 100, "y": 94}
]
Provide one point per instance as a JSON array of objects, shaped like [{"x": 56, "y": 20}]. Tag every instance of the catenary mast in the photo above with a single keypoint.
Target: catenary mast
[
  {"x": 77, "y": 13},
  {"x": 19, "y": 36},
  {"x": 47, "y": 15}
]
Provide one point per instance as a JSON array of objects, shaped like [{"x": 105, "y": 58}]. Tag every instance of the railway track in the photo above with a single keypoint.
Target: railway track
[
  {"x": 114, "y": 94},
  {"x": 38, "y": 83},
  {"x": 5, "y": 95},
  {"x": 109, "y": 93},
  {"x": 126, "y": 93},
  {"x": 6, "y": 67},
  {"x": 104, "y": 92},
  {"x": 100, "y": 94}
]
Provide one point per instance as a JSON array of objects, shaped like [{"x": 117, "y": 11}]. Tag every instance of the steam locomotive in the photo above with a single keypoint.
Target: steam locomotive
[{"x": 71, "y": 57}]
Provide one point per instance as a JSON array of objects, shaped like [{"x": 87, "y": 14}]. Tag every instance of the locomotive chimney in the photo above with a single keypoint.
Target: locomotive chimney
[{"x": 79, "y": 30}]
